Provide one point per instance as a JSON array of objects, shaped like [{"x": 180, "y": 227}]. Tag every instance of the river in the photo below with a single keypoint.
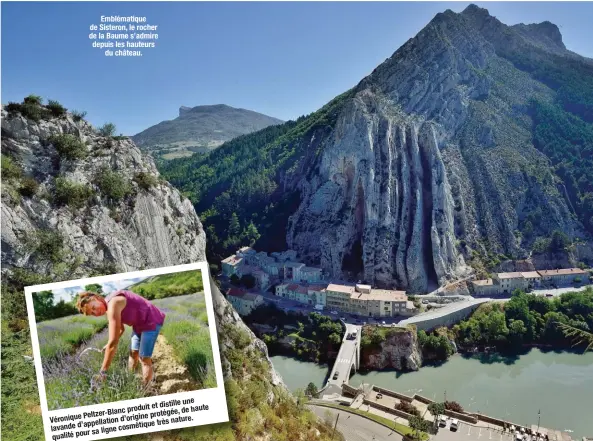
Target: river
[{"x": 559, "y": 384}]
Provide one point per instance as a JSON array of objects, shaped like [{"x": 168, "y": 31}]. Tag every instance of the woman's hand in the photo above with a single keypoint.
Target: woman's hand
[{"x": 100, "y": 377}]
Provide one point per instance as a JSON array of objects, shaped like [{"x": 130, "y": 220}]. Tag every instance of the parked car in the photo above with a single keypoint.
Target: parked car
[
  {"x": 334, "y": 312},
  {"x": 442, "y": 421},
  {"x": 379, "y": 396},
  {"x": 454, "y": 424},
  {"x": 336, "y": 375}
]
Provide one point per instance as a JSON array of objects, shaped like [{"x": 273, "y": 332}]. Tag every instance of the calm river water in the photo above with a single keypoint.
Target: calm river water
[{"x": 559, "y": 384}]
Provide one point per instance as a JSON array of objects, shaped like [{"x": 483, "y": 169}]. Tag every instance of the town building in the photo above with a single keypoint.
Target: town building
[
  {"x": 338, "y": 297},
  {"x": 310, "y": 274},
  {"x": 231, "y": 265},
  {"x": 509, "y": 282},
  {"x": 366, "y": 301},
  {"x": 564, "y": 276},
  {"x": 262, "y": 279},
  {"x": 532, "y": 278},
  {"x": 243, "y": 302},
  {"x": 485, "y": 288},
  {"x": 280, "y": 290},
  {"x": 317, "y": 294}
]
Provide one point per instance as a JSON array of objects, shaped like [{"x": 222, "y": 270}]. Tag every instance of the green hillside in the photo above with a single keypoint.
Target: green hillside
[{"x": 169, "y": 285}]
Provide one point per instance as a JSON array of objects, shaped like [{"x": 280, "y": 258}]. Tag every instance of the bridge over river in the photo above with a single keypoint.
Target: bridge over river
[{"x": 348, "y": 359}]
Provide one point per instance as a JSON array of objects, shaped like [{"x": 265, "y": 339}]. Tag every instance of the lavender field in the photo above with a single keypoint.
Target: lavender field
[{"x": 68, "y": 368}]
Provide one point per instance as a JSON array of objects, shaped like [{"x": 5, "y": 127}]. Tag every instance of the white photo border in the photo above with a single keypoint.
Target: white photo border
[{"x": 215, "y": 398}]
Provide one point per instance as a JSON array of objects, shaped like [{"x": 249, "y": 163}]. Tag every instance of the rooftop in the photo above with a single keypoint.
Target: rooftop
[
  {"x": 317, "y": 287},
  {"x": 562, "y": 272},
  {"x": 515, "y": 275},
  {"x": 340, "y": 288},
  {"x": 247, "y": 250},
  {"x": 251, "y": 296},
  {"x": 486, "y": 282},
  {"x": 236, "y": 292},
  {"x": 386, "y": 295},
  {"x": 302, "y": 290},
  {"x": 233, "y": 260},
  {"x": 531, "y": 275},
  {"x": 294, "y": 264},
  {"x": 310, "y": 269}
]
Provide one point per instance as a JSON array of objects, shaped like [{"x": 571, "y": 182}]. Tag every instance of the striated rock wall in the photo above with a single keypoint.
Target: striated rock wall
[
  {"x": 399, "y": 351},
  {"x": 381, "y": 198},
  {"x": 431, "y": 163}
]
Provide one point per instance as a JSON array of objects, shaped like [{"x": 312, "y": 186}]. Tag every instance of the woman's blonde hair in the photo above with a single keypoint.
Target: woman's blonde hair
[{"x": 84, "y": 298}]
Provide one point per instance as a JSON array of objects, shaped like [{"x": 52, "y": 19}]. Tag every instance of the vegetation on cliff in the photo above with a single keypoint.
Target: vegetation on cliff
[
  {"x": 527, "y": 319},
  {"x": 36, "y": 253},
  {"x": 313, "y": 337},
  {"x": 243, "y": 186}
]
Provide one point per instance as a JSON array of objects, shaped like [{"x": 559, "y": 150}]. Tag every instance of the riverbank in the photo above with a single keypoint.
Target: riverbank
[{"x": 558, "y": 383}]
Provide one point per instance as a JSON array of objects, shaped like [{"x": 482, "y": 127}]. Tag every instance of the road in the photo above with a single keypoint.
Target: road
[
  {"x": 558, "y": 291},
  {"x": 355, "y": 427},
  {"x": 445, "y": 310},
  {"x": 346, "y": 357}
]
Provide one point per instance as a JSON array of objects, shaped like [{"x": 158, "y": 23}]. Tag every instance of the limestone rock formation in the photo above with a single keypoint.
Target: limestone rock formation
[
  {"x": 399, "y": 351},
  {"x": 432, "y": 160},
  {"x": 148, "y": 228}
]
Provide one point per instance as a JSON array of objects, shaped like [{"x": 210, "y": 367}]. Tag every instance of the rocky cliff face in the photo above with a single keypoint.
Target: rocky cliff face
[
  {"x": 399, "y": 351},
  {"x": 45, "y": 239},
  {"x": 149, "y": 228},
  {"x": 432, "y": 160}
]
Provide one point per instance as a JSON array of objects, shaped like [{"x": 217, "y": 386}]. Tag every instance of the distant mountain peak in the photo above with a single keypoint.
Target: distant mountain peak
[
  {"x": 544, "y": 32},
  {"x": 200, "y": 129},
  {"x": 183, "y": 110}
]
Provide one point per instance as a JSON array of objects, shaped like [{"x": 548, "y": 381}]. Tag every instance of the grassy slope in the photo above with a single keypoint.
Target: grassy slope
[{"x": 170, "y": 285}]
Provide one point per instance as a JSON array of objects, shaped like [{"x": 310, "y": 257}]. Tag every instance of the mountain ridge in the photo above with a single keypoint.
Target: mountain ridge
[
  {"x": 433, "y": 166},
  {"x": 200, "y": 129}
]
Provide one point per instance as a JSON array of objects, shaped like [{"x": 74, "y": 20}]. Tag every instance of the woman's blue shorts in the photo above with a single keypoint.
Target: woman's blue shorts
[{"x": 145, "y": 342}]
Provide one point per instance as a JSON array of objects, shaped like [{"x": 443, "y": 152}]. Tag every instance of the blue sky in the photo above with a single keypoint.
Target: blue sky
[
  {"x": 67, "y": 293},
  {"x": 281, "y": 59}
]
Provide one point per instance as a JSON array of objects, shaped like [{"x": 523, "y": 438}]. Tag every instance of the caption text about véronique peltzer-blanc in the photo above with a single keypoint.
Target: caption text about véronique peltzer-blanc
[
  {"x": 122, "y": 419},
  {"x": 119, "y": 36}
]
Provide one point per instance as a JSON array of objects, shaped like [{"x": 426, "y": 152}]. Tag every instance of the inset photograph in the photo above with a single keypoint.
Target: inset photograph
[{"x": 124, "y": 338}]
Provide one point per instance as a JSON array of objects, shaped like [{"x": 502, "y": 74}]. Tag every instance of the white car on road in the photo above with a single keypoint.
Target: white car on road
[{"x": 454, "y": 424}]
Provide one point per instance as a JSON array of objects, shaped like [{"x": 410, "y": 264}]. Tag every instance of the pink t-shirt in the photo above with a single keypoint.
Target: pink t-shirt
[{"x": 138, "y": 313}]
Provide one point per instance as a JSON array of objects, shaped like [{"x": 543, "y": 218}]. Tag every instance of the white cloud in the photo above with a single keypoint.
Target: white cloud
[
  {"x": 120, "y": 284},
  {"x": 66, "y": 293}
]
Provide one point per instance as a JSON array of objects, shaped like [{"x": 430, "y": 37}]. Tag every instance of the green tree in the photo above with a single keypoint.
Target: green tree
[
  {"x": 250, "y": 234},
  {"x": 107, "y": 129},
  {"x": 311, "y": 390},
  {"x": 419, "y": 424},
  {"x": 334, "y": 339},
  {"x": 559, "y": 241},
  {"x": 436, "y": 409},
  {"x": 94, "y": 287},
  {"x": 43, "y": 302},
  {"x": 234, "y": 226},
  {"x": 517, "y": 332}
]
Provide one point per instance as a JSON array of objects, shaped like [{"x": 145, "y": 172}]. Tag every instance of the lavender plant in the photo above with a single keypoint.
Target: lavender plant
[{"x": 69, "y": 366}]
